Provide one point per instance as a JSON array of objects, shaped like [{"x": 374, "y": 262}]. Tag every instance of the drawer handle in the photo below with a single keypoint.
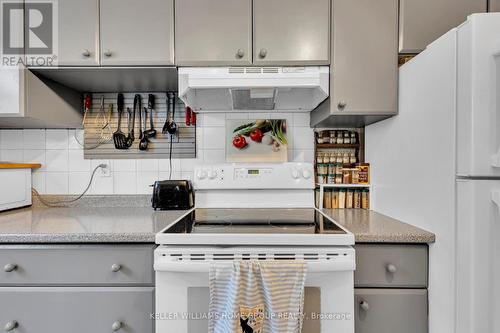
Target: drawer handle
[
  {"x": 108, "y": 53},
  {"x": 116, "y": 325},
  {"x": 116, "y": 267},
  {"x": 341, "y": 105},
  {"x": 364, "y": 305},
  {"x": 86, "y": 53},
  {"x": 391, "y": 268},
  {"x": 9, "y": 267},
  {"x": 263, "y": 53},
  {"x": 11, "y": 325}
]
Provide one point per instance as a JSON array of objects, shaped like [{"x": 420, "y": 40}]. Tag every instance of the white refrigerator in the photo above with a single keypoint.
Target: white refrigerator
[{"x": 437, "y": 165}]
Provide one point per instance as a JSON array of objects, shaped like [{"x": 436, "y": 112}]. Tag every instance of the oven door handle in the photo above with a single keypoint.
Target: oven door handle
[{"x": 204, "y": 267}]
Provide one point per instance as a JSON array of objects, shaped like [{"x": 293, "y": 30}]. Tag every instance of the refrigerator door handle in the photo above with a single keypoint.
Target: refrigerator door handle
[
  {"x": 495, "y": 197},
  {"x": 495, "y": 158}
]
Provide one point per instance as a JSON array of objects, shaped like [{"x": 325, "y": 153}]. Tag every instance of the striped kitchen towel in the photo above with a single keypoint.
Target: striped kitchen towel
[{"x": 257, "y": 296}]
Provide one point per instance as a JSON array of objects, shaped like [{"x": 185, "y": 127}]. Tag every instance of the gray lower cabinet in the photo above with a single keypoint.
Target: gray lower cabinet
[
  {"x": 213, "y": 32},
  {"x": 390, "y": 284},
  {"x": 423, "y": 21},
  {"x": 391, "y": 266},
  {"x": 78, "y": 32},
  {"x": 76, "y": 264},
  {"x": 137, "y": 32},
  {"x": 391, "y": 310},
  {"x": 291, "y": 32},
  {"x": 76, "y": 309}
]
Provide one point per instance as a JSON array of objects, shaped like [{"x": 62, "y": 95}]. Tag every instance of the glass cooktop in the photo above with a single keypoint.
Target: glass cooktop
[{"x": 255, "y": 221}]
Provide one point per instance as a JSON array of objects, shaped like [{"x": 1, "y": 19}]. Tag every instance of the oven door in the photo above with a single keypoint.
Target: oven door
[{"x": 182, "y": 294}]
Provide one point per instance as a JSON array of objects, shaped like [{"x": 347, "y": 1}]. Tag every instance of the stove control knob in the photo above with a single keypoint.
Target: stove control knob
[
  {"x": 212, "y": 174},
  {"x": 201, "y": 174},
  {"x": 306, "y": 174},
  {"x": 295, "y": 174}
]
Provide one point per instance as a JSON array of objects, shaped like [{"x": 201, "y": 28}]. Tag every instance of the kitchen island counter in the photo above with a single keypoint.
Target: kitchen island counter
[{"x": 371, "y": 227}]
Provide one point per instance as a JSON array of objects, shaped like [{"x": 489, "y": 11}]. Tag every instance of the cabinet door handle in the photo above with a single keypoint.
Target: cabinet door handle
[
  {"x": 108, "y": 53},
  {"x": 341, "y": 105},
  {"x": 116, "y": 325},
  {"x": 10, "y": 267},
  {"x": 364, "y": 305},
  {"x": 116, "y": 267},
  {"x": 11, "y": 325},
  {"x": 86, "y": 53},
  {"x": 391, "y": 268},
  {"x": 240, "y": 53},
  {"x": 263, "y": 53}
]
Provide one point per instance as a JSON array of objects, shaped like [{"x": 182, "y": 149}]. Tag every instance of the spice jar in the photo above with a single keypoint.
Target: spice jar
[
  {"x": 352, "y": 158},
  {"x": 330, "y": 178},
  {"x": 345, "y": 158},
  {"x": 340, "y": 137},
  {"x": 335, "y": 198},
  {"x": 346, "y": 176},
  {"x": 316, "y": 197},
  {"x": 347, "y": 137},
  {"x": 365, "y": 199},
  {"x": 338, "y": 178},
  {"x": 321, "y": 178},
  {"x": 327, "y": 198},
  {"x": 355, "y": 176},
  {"x": 349, "y": 198},
  {"x": 342, "y": 194},
  {"x": 357, "y": 199},
  {"x": 331, "y": 168},
  {"x": 354, "y": 140},
  {"x": 323, "y": 168},
  {"x": 332, "y": 137}
]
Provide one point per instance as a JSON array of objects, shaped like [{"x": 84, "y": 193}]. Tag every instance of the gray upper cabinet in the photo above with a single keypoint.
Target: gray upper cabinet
[
  {"x": 137, "y": 32},
  {"x": 291, "y": 32},
  {"x": 423, "y": 21},
  {"x": 364, "y": 56},
  {"x": 494, "y": 6},
  {"x": 78, "y": 32},
  {"x": 364, "y": 69},
  {"x": 213, "y": 32}
]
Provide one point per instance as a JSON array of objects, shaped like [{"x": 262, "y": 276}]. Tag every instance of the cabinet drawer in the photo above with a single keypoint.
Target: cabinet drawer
[
  {"x": 77, "y": 309},
  {"x": 389, "y": 265},
  {"x": 76, "y": 264},
  {"x": 390, "y": 310}
]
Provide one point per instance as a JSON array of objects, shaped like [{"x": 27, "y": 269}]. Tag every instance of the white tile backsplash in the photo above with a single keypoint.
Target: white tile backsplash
[
  {"x": 11, "y": 139},
  {"x": 57, "y": 139},
  {"x": 34, "y": 139},
  {"x": 65, "y": 171}
]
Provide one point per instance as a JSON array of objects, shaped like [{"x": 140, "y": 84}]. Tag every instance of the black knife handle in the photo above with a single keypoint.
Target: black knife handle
[
  {"x": 151, "y": 101},
  {"x": 120, "y": 102}
]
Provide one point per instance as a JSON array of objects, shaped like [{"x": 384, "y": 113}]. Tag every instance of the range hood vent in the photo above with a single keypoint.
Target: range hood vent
[{"x": 291, "y": 89}]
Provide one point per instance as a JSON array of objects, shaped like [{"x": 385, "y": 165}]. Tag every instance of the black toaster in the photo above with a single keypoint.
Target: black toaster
[{"x": 172, "y": 195}]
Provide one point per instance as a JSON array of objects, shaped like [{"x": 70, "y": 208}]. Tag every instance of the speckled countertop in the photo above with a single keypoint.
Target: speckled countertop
[
  {"x": 372, "y": 227},
  {"x": 84, "y": 225},
  {"x": 132, "y": 220}
]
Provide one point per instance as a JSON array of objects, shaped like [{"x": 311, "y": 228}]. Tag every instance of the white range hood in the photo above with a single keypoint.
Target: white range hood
[{"x": 243, "y": 89}]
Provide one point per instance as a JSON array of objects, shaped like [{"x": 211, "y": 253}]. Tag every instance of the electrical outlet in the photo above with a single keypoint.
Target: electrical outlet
[{"x": 105, "y": 172}]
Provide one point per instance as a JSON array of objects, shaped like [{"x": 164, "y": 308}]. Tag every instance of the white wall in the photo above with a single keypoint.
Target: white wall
[{"x": 65, "y": 171}]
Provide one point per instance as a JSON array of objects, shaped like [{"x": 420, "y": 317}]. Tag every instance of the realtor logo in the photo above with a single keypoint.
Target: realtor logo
[{"x": 29, "y": 32}]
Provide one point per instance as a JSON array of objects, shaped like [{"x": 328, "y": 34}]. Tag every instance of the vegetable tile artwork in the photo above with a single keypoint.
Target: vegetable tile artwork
[{"x": 261, "y": 140}]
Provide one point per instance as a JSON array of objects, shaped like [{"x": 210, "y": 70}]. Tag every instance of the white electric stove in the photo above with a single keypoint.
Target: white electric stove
[{"x": 254, "y": 212}]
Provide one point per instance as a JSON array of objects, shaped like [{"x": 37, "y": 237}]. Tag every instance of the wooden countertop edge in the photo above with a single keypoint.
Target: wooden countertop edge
[{"x": 20, "y": 165}]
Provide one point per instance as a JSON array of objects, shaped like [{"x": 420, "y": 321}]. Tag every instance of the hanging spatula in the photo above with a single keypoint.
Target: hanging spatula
[{"x": 119, "y": 137}]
